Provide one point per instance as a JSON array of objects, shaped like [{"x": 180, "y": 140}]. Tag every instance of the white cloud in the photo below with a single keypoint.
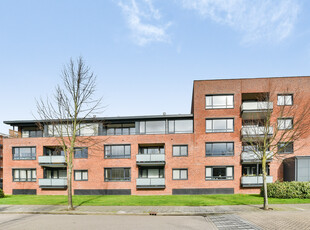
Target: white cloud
[
  {"x": 257, "y": 19},
  {"x": 144, "y": 20}
]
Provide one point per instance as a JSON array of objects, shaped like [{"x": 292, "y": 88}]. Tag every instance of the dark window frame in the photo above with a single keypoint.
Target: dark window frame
[
  {"x": 82, "y": 149},
  {"x": 152, "y": 167},
  {"x": 124, "y": 156},
  {"x": 212, "y": 178},
  {"x": 212, "y": 95},
  {"x": 181, "y": 145},
  {"x": 180, "y": 169},
  {"x": 31, "y": 169},
  {"x": 221, "y": 142},
  {"x": 111, "y": 168},
  {"x": 285, "y": 94},
  {"x": 224, "y": 118},
  {"x": 81, "y": 171},
  {"x": 283, "y": 149},
  {"x": 285, "y": 118},
  {"x": 18, "y": 147}
]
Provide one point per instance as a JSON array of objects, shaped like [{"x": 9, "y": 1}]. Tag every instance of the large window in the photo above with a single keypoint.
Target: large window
[
  {"x": 254, "y": 170},
  {"x": 219, "y": 173},
  {"x": 180, "y": 126},
  {"x": 219, "y": 101},
  {"x": 31, "y": 132},
  {"x": 179, "y": 150},
  {"x": 54, "y": 173},
  {"x": 151, "y": 172},
  {"x": 80, "y": 152},
  {"x": 119, "y": 129},
  {"x": 285, "y": 147},
  {"x": 117, "y": 151},
  {"x": 219, "y": 125},
  {"x": 81, "y": 175},
  {"x": 152, "y": 149},
  {"x": 179, "y": 174},
  {"x": 117, "y": 174},
  {"x": 219, "y": 148},
  {"x": 88, "y": 129},
  {"x": 285, "y": 99},
  {"x": 20, "y": 175},
  {"x": 285, "y": 123},
  {"x": 53, "y": 151},
  {"x": 153, "y": 127},
  {"x": 24, "y": 153}
]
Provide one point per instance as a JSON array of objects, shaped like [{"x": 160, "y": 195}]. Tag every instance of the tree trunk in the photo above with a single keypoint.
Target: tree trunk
[
  {"x": 70, "y": 203},
  {"x": 265, "y": 184}
]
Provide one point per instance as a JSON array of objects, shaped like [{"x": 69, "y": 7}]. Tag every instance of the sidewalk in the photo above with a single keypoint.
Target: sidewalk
[{"x": 147, "y": 210}]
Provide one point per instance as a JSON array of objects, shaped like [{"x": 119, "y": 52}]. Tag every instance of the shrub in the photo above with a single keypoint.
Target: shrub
[
  {"x": 287, "y": 190},
  {"x": 1, "y": 193}
]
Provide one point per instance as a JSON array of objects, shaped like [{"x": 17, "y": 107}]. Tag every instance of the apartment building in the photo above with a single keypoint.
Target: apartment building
[
  {"x": 1, "y": 158},
  {"x": 198, "y": 153}
]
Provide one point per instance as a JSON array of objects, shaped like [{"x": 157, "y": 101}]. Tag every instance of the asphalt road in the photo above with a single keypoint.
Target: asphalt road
[{"x": 46, "y": 222}]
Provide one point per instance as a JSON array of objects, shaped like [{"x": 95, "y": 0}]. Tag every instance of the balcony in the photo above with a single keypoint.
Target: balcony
[
  {"x": 144, "y": 183},
  {"x": 150, "y": 159},
  {"x": 255, "y": 110},
  {"x": 60, "y": 183},
  {"x": 250, "y": 156},
  {"x": 52, "y": 161},
  {"x": 254, "y": 181},
  {"x": 254, "y": 131}
]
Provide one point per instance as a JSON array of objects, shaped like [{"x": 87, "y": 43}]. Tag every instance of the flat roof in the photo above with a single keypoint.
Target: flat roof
[
  {"x": 249, "y": 78},
  {"x": 118, "y": 118}
]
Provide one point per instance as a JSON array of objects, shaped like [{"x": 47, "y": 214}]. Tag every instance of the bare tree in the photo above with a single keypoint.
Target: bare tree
[
  {"x": 69, "y": 112},
  {"x": 276, "y": 126}
]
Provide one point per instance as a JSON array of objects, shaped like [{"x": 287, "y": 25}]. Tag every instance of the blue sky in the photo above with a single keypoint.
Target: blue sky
[{"x": 146, "y": 53}]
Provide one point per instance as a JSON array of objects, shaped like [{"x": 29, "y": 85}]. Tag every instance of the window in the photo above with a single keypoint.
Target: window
[
  {"x": 60, "y": 130},
  {"x": 151, "y": 173},
  {"x": 285, "y": 123},
  {"x": 180, "y": 126},
  {"x": 219, "y": 173},
  {"x": 89, "y": 129},
  {"x": 285, "y": 99},
  {"x": 54, "y": 173},
  {"x": 117, "y": 174},
  {"x": 24, "y": 153},
  {"x": 219, "y": 148},
  {"x": 151, "y": 149},
  {"x": 254, "y": 169},
  {"x": 117, "y": 151},
  {"x": 179, "y": 174},
  {"x": 80, "y": 152},
  {"x": 219, "y": 101},
  {"x": 20, "y": 175},
  {"x": 81, "y": 175},
  {"x": 53, "y": 151},
  {"x": 153, "y": 127},
  {"x": 31, "y": 132},
  {"x": 179, "y": 150},
  {"x": 219, "y": 125},
  {"x": 285, "y": 147},
  {"x": 119, "y": 129}
]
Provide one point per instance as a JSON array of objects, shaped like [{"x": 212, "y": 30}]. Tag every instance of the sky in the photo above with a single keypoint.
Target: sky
[{"x": 145, "y": 53}]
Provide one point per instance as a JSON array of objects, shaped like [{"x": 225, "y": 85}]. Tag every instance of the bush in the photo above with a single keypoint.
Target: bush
[
  {"x": 1, "y": 193},
  {"x": 288, "y": 190}
]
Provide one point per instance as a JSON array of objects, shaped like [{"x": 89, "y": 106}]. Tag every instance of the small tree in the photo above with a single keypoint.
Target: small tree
[
  {"x": 277, "y": 126},
  {"x": 66, "y": 114}
]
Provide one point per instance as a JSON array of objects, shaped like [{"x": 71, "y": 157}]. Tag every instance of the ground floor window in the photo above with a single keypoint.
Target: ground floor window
[
  {"x": 117, "y": 174},
  {"x": 219, "y": 173},
  {"x": 81, "y": 175},
  {"x": 254, "y": 170},
  {"x": 20, "y": 175},
  {"x": 179, "y": 174}
]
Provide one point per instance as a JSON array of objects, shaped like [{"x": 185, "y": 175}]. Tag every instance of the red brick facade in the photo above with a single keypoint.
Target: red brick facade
[{"x": 195, "y": 162}]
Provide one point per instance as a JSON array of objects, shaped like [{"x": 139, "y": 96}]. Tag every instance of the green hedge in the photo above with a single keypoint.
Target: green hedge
[
  {"x": 1, "y": 193},
  {"x": 287, "y": 190}
]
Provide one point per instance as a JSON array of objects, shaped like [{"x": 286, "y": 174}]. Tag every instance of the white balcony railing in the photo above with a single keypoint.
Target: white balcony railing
[
  {"x": 255, "y": 180},
  {"x": 253, "y": 130},
  {"x": 50, "y": 183},
  {"x": 256, "y": 106},
  {"x": 150, "y": 158},
  {"x": 251, "y": 156},
  {"x": 52, "y": 159},
  {"x": 150, "y": 182}
]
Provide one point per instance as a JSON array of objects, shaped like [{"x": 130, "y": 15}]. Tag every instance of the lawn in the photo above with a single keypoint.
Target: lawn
[{"x": 179, "y": 200}]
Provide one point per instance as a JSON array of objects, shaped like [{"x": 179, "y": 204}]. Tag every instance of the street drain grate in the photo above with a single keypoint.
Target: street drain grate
[{"x": 223, "y": 222}]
